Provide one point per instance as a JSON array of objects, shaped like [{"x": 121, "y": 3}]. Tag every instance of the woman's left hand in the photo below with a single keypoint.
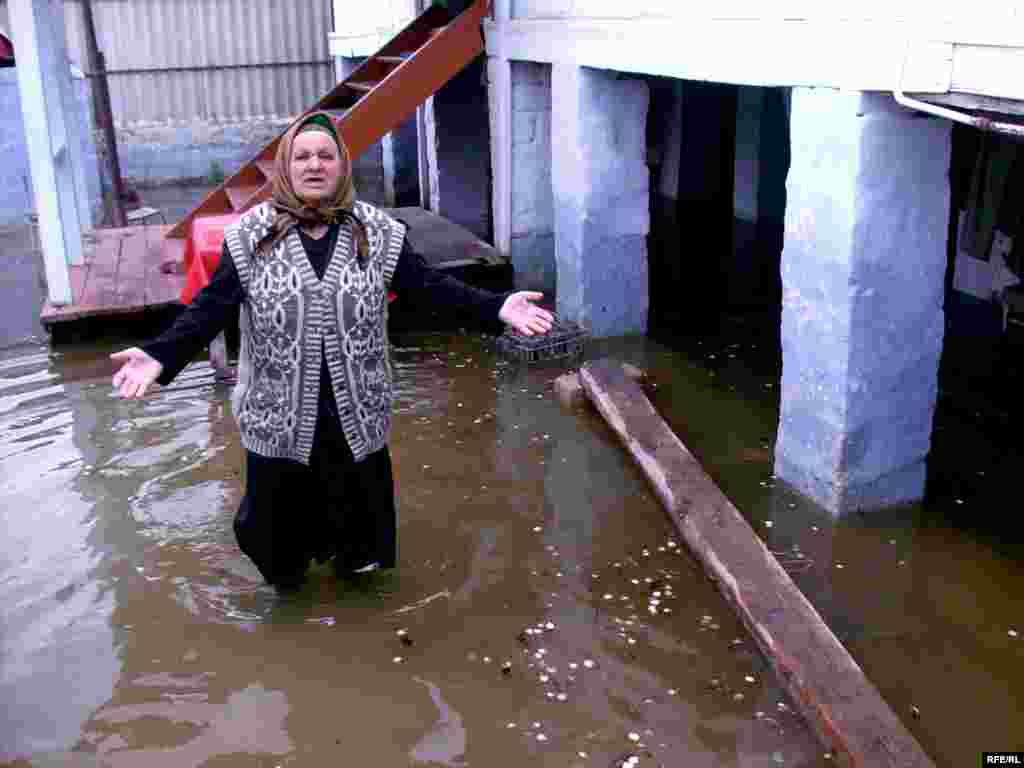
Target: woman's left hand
[{"x": 521, "y": 313}]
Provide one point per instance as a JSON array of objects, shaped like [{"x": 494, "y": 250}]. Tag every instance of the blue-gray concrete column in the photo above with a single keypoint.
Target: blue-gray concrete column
[
  {"x": 601, "y": 198},
  {"x": 862, "y": 319},
  {"x": 532, "y": 225}
]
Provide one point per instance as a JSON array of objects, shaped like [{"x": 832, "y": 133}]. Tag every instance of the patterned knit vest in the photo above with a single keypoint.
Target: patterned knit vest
[{"x": 289, "y": 319}]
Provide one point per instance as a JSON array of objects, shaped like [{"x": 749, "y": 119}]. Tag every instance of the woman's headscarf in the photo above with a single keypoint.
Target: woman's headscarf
[{"x": 290, "y": 210}]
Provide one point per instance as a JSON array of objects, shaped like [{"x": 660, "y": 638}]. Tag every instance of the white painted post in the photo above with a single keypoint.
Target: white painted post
[
  {"x": 499, "y": 77},
  {"x": 41, "y": 63},
  {"x": 499, "y": 88}
]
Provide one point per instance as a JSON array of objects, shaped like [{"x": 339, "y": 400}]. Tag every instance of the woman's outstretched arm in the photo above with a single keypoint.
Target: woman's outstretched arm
[
  {"x": 164, "y": 357},
  {"x": 426, "y": 286}
]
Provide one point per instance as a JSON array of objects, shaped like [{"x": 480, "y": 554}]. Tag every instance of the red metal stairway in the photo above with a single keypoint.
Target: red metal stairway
[{"x": 375, "y": 99}]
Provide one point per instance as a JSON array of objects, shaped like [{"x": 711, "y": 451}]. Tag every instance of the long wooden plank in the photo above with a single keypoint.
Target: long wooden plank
[{"x": 845, "y": 709}]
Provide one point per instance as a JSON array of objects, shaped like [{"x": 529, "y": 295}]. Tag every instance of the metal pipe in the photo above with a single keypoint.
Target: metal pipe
[{"x": 981, "y": 123}]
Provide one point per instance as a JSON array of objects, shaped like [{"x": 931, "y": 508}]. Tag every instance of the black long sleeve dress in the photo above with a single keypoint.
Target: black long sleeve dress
[{"x": 351, "y": 514}]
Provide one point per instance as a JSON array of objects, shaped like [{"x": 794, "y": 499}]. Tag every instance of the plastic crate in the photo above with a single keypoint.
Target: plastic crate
[{"x": 565, "y": 339}]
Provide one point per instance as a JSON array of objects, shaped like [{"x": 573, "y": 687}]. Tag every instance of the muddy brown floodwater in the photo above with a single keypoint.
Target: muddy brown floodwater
[{"x": 543, "y": 612}]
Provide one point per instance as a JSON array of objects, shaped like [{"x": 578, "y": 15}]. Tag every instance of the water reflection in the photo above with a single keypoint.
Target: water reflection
[{"x": 547, "y": 608}]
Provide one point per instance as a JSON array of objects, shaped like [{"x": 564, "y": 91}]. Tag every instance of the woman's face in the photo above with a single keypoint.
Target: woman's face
[{"x": 315, "y": 167}]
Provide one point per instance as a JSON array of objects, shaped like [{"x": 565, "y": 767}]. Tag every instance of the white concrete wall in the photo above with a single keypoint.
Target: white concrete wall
[
  {"x": 972, "y": 17},
  {"x": 361, "y": 29},
  {"x": 931, "y": 48}
]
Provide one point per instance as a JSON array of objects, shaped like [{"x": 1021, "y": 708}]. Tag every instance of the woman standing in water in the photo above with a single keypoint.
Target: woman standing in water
[{"x": 310, "y": 270}]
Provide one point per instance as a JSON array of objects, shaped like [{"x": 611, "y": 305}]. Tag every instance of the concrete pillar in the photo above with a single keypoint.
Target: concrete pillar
[
  {"x": 601, "y": 199},
  {"x": 50, "y": 131},
  {"x": 532, "y": 247},
  {"x": 862, "y": 318}
]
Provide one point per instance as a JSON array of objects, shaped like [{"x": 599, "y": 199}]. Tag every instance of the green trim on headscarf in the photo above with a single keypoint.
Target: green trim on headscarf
[{"x": 319, "y": 122}]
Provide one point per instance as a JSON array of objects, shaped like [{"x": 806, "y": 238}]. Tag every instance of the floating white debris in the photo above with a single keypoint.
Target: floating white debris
[
  {"x": 633, "y": 736},
  {"x": 589, "y": 663},
  {"x": 609, "y": 596},
  {"x": 541, "y": 737},
  {"x": 550, "y": 625},
  {"x": 750, "y": 679},
  {"x": 573, "y": 665},
  {"x": 839, "y": 565},
  {"x": 582, "y": 754},
  {"x": 561, "y": 697},
  {"x": 737, "y": 697},
  {"x": 537, "y": 529},
  {"x": 767, "y": 523},
  {"x": 672, "y": 691},
  {"x": 398, "y": 659},
  {"x": 544, "y": 678},
  {"x": 1011, "y": 632},
  {"x": 510, "y": 725}
]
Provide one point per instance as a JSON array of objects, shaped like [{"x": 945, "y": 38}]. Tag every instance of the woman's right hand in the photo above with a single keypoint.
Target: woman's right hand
[{"x": 137, "y": 372}]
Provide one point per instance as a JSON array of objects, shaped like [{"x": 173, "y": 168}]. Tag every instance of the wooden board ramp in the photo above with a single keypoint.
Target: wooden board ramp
[
  {"x": 121, "y": 274},
  {"x": 846, "y": 711}
]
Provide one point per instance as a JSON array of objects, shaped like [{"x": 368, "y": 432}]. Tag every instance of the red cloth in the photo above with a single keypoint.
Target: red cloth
[{"x": 202, "y": 253}]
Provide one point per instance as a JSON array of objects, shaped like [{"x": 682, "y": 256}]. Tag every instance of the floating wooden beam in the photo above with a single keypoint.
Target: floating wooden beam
[{"x": 847, "y": 712}]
